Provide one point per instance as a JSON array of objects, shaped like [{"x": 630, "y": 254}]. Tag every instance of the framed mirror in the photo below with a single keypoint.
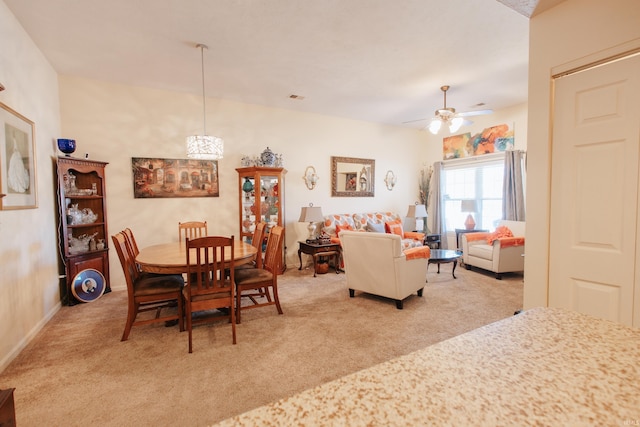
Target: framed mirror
[{"x": 352, "y": 177}]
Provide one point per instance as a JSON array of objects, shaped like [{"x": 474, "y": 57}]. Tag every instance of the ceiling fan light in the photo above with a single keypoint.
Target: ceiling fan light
[
  {"x": 456, "y": 122},
  {"x": 434, "y": 126},
  {"x": 205, "y": 147}
]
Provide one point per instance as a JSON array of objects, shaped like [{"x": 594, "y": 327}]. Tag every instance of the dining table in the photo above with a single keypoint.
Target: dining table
[{"x": 171, "y": 258}]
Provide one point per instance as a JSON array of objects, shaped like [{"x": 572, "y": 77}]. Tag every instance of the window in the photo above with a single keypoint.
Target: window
[{"x": 473, "y": 179}]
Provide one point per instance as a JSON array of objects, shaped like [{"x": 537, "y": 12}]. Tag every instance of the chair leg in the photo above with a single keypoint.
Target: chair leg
[
  {"x": 181, "y": 312},
  {"x": 238, "y": 304},
  {"x": 233, "y": 322},
  {"x": 131, "y": 317},
  {"x": 276, "y": 299},
  {"x": 189, "y": 325}
]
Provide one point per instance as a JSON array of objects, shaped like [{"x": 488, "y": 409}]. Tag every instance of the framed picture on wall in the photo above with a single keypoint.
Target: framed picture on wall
[
  {"x": 17, "y": 161},
  {"x": 163, "y": 178}
]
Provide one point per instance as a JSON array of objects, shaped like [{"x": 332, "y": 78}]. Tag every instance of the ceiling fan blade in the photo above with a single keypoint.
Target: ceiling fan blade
[
  {"x": 413, "y": 121},
  {"x": 475, "y": 113},
  {"x": 467, "y": 122}
]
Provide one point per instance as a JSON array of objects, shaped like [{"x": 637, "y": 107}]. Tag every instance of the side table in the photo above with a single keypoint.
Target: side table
[
  {"x": 317, "y": 250},
  {"x": 432, "y": 240}
]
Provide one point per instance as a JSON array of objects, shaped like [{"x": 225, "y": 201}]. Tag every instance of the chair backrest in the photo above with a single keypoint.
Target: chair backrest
[
  {"x": 516, "y": 227},
  {"x": 256, "y": 241},
  {"x": 127, "y": 262},
  {"x": 206, "y": 264},
  {"x": 192, "y": 230},
  {"x": 273, "y": 253},
  {"x": 128, "y": 234}
]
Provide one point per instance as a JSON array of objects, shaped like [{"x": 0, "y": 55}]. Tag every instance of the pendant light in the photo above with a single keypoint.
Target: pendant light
[{"x": 205, "y": 147}]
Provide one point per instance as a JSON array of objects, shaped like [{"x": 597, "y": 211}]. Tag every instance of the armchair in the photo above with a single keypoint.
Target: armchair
[
  {"x": 376, "y": 264},
  {"x": 502, "y": 255}
]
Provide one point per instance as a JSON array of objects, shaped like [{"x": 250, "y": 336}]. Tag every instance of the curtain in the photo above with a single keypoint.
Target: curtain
[
  {"x": 438, "y": 206},
  {"x": 513, "y": 200}
]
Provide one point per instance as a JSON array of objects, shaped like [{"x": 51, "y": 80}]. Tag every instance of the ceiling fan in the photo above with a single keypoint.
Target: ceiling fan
[{"x": 447, "y": 115}]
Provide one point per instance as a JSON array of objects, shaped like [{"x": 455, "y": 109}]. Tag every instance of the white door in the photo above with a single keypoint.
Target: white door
[{"x": 594, "y": 191}]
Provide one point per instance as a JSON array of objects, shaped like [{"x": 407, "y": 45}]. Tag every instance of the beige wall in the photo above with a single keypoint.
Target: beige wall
[
  {"x": 114, "y": 123},
  {"x": 576, "y": 32},
  {"x": 29, "y": 293}
]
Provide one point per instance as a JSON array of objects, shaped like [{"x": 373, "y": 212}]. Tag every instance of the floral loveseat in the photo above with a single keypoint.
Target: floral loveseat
[{"x": 374, "y": 222}]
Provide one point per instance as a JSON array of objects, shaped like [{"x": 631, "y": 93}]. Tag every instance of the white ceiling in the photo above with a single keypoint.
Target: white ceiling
[{"x": 376, "y": 60}]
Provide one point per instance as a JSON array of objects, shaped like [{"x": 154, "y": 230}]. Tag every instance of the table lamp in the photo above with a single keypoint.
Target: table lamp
[
  {"x": 470, "y": 207},
  {"x": 418, "y": 212},
  {"x": 311, "y": 214}
]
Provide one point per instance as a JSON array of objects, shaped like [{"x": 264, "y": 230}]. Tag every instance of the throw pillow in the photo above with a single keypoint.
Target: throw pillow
[
  {"x": 415, "y": 253},
  {"x": 375, "y": 228},
  {"x": 394, "y": 227},
  {"x": 341, "y": 227},
  {"x": 502, "y": 231}
]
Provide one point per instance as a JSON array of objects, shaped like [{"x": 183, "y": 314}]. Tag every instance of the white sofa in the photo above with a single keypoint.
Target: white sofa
[
  {"x": 503, "y": 255},
  {"x": 375, "y": 263}
]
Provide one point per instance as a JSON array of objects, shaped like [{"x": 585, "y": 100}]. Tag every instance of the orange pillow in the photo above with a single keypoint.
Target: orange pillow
[
  {"x": 342, "y": 227},
  {"x": 419, "y": 252},
  {"x": 394, "y": 227},
  {"x": 502, "y": 231}
]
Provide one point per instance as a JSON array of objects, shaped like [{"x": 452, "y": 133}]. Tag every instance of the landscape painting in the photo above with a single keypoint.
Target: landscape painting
[{"x": 163, "y": 178}]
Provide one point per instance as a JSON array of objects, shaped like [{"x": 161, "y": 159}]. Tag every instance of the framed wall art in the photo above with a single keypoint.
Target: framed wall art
[
  {"x": 163, "y": 178},
  {"x": 491, "y": 140},
  {"x": 17, "y": 161},
  {"x": 352, "y": 177}
]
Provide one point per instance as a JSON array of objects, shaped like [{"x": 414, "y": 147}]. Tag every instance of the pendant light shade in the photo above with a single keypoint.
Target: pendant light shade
[{"x": 204, "y": 146}]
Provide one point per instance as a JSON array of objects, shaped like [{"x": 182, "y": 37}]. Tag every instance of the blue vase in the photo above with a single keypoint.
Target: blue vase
[
  {"x": 67, "y": 146},
  {"x": 247, "y": 187}
]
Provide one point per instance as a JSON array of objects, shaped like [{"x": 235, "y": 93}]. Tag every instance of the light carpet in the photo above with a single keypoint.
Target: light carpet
[{"x": 76, "y": 372}]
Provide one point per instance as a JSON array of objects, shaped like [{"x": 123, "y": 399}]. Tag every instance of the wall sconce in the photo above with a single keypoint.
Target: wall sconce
[
  {"x": 390, "y": 180},
  {"x": 310, "y": 177}
]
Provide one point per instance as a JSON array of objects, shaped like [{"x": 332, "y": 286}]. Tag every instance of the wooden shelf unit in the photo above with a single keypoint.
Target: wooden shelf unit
[{"x": 88, "y": 174}]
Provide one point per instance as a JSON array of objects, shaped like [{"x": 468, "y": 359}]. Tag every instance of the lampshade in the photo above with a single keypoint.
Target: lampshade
[
  {"x": 417, "y": 211},
  {"x": 311, "y": 214},
  {"x": 434, "y": 126},
  {"x": 468, "y": 206},
  {"x": 455, "y": 124},
  {"x": 204, "y": 147}
]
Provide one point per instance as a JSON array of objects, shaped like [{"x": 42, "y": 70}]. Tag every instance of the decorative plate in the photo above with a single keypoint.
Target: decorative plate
[{"x": 88, "y": 285}]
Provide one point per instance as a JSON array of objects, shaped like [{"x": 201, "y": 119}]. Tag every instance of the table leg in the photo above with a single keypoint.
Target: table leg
[
  {"x": 300, "y": 258},
  {"x": 453, "y": 272},
  {"x": 315, "y": 264}
]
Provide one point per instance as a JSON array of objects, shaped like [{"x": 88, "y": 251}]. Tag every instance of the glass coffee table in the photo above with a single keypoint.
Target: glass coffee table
[{"x": 442, "y": 256}]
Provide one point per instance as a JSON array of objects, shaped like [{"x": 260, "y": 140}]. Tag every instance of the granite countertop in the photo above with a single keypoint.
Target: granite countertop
[{"x": 544, "y": 366}]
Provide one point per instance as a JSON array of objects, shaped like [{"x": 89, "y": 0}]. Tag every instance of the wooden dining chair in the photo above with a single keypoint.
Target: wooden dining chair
[
  {"x": 147, "y": 292},
  {"x": 128, "y": 234},
  {"x": 192, "y": 230},
  {"x": 208, "y": 287},
  {"x": 256, "y": 241},
  {"x": 258, "y": 283}
]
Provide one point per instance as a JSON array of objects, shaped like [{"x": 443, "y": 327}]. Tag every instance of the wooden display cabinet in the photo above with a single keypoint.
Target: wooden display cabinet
[
  {"x": 81, "y": 191},
  {"x": 261, "y": 199}
]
